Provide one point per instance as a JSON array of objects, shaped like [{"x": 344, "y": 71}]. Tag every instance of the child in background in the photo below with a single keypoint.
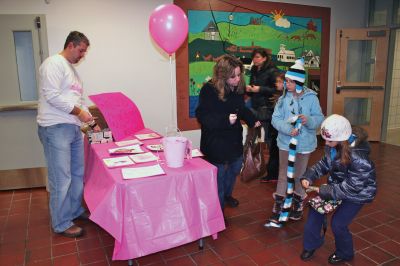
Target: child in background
[
  {"x": 351, "y": 180},
  {"x": 273, "y": 161},
  {"x": 297, "y": 101}
]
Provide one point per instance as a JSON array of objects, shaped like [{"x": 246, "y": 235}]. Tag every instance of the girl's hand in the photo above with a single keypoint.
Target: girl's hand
[
  {"x": 252, "y": 88},
  {"x": 294, "y": 132},
  {"x": 305, "y": 183},
  {"x": 257, "y": 124},
  {"x": 303, "y": 119},
  {"x": 232, "y": 118}
]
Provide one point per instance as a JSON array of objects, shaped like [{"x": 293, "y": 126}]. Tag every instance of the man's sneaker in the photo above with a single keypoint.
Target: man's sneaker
[
  {"x": 231, "y": 202},
  {"x": 73, "y": 231}
]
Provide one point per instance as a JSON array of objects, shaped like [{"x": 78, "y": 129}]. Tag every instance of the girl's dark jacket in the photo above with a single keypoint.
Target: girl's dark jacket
[
  {"x": 355, "y": 182},
  {"x": 265, "y": 78},
  {"x": 220, "y": 141}
]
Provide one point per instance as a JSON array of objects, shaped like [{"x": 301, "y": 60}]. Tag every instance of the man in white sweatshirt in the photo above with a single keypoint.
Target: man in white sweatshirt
[{"x": 60, "y": 114}]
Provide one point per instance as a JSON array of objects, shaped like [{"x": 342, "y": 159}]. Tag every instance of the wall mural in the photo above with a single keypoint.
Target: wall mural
[
  {"x": 212, "y": 34},
  {"x": 218, "y": 27}
]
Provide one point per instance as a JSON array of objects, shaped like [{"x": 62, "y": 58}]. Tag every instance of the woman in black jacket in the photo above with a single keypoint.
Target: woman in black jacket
[
  {"x": 351, "y": 180},
  {"x": 220, "y": 109},
  {"x": 262, "y": 88}
]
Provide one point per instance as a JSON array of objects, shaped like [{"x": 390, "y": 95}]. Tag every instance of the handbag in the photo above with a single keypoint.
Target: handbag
[
  {"x": 323, "y": 206},
  {"x": 263, "y": 114},
  {"x": 254, "y": 165}
]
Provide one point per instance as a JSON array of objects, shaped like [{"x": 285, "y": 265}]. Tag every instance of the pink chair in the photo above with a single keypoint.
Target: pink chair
[{"x": 121, "y": 114}]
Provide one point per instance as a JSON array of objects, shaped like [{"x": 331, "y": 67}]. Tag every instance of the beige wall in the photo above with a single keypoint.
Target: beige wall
[
  {"x": 123, "y": 57},
  {"x": 394, "y": 107}
]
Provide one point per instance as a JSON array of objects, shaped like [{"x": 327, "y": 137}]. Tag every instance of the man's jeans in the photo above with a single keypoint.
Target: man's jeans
[
  {"x": 63, "y": 149},
  {"x": 226, "y": 178}
]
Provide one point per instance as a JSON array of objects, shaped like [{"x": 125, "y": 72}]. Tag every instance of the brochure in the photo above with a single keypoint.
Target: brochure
[
  {"x": 118, "y": 161},
  {"x": 196, "y": 153},
  {"x": 144, "y": 157},
  {"x": 128, "y": 142},
  {"x": 133, "y": 149},
  {"x": 148, "y": 136},
  {"x": 145, "y": 171}
]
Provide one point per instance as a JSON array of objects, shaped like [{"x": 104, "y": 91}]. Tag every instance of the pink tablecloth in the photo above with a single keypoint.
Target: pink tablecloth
[{"x": 151, "y": 214}]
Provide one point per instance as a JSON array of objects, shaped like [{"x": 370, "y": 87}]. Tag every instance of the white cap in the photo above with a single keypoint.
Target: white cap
[{"x": 336, "y": 128}]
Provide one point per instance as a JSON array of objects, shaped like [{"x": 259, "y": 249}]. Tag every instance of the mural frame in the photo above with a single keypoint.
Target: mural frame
[{"x": 185, "y": 122}]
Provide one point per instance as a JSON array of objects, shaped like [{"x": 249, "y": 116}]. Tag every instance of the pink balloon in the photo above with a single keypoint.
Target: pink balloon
[{"x": 168, "y": 26}]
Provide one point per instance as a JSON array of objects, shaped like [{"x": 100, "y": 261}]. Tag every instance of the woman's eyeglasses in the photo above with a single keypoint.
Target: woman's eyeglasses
[{"x": 289, "y": 81}]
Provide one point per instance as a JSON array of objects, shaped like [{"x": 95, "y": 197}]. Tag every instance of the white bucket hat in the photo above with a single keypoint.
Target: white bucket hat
[{"x": 336, "y": 128}]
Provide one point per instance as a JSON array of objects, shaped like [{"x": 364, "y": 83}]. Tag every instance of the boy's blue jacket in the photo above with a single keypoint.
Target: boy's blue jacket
[{"x": 289, "y": 106}]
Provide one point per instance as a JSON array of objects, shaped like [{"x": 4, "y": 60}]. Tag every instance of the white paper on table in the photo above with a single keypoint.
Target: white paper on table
[
  {"x": 118, "y": 161},
  {"x": 197, "y": 153},
  {"x": 148, "y": 136},
  {"x": 144, "y": 157},
  {"x": 132, "y": 149},
  {"x": 128, "y": 142},
  {"x": 145, "y": 171}
]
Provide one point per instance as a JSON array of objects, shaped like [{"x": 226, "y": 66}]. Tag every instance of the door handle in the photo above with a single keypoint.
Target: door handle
[{"x": 338, "y": 88}]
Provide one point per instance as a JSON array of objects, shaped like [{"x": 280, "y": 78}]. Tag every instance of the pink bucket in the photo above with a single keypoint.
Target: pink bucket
[{"x": 175, "y": 150}]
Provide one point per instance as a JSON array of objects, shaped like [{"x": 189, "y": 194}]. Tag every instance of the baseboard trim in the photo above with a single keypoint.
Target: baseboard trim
[{"x": 23, "y": 178}]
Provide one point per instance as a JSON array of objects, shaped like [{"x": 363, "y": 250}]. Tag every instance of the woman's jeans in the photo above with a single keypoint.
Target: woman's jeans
[
  {"x": 341, "y": 219},
  {"x": 226, "y": 178},
  {"x": 63, "y": 149}
]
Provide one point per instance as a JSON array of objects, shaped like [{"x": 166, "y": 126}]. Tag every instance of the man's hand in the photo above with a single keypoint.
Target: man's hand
[
  {"x": 96, "y": 128},
  {"x": 85, "y": 117}
]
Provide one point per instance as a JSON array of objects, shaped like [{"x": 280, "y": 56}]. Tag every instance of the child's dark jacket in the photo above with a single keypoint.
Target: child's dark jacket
[{"x": 355, "y": 182}]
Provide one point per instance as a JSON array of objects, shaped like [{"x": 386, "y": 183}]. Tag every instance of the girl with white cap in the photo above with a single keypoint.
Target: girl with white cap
[{"x": 351, "y": 180}]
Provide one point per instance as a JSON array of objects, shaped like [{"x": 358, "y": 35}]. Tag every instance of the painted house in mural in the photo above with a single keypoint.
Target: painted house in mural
[
  {"x": 211, "y": 32},
  {"x": 311, "y": 60},
  {"x": 285, "y": 55}
]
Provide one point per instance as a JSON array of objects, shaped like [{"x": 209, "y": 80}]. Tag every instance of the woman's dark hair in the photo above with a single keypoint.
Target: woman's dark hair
[
  {"x": 261, "y": 51},
  {"x": 264, "y": 53}
]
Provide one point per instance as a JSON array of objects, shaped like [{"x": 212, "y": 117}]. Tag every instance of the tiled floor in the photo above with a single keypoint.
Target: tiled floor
[{"x": 26, "y": 237}]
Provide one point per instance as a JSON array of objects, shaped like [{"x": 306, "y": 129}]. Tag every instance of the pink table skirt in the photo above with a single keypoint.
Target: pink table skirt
[{"x": 151, "y": 214}]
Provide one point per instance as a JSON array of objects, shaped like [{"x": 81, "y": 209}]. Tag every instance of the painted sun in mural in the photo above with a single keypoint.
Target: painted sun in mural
[
  {"x": 279, "y": 19},
  {"x": 276, "y": 15}
]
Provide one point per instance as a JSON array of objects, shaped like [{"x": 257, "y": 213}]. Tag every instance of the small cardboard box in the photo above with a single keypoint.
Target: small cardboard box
[{"x": 104, "y": 136}]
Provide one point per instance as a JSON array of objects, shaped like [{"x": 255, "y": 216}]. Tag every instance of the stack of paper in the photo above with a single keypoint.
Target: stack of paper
[
  {"x": 148, "y": 136},
  {"x": 133, "y": 149},
  {"x": 144, "y": 157},
  {"x": 128, "y": 142},
  {"x": 197, "y": 153},
  {"x": 118, "y": 161},
  {"x": 138, "y": 172}
]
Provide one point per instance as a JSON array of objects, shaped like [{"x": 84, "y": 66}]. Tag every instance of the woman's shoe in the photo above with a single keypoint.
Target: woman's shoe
[
  {"x": 231, "y": 201},
  {"x": 334, "y": 259},
  {"x": 306, "y": 254}
]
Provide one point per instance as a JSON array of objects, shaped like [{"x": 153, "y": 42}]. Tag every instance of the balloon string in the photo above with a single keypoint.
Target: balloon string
[{"x": 173, "y": 120}]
